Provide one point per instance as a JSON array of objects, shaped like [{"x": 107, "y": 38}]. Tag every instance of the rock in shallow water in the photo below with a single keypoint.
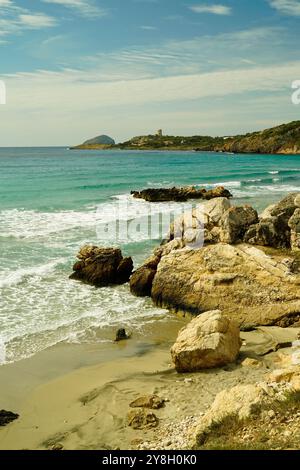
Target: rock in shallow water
[
  {"x": 102, "y": 266},
  {"x": 210, "y": 340},
  {"x": 180, "y": 194}
]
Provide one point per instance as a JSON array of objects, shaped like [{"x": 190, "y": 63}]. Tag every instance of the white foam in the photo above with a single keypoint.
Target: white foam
[
  {"x": 22, "y": 224},
  {"x": 9, "y": 279},
  {"x": 228, "y": 184},
  {"x": 273, "y": 172}
]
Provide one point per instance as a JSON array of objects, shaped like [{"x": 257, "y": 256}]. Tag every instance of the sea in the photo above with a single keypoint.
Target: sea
[{"x": 54, "y": 200}]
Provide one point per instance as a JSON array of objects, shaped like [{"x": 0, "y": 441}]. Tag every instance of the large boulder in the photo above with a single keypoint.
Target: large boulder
[
  {"x": 273, "y": 228},
  {"x": 102, "y": 266},
  {"x": 142, "y": 279},
  {"x": 210, "y": 340},
  {"x": 235, "y": 222},
  {"x": 294, "y": 225},
  {"x": 180, "y": 194},
  {"x": 242, "y": 281},
  {"x": 200, "y": 225}
]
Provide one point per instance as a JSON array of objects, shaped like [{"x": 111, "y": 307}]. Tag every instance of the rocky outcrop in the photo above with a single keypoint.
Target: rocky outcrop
[
  {"x": 242, "y": 281},
  {"x": 180, "y": 194},
  {"x": 102, "y": 266},
  {"x": 210, "y": 340},
  {"x": 289, "y": 375},
  {"x": 142, "y": 279},
  {"x": 240, "y": 402},
  {"x": 235, "y": 222},
  {"x": 273, "y": 228},
  {"x": 208, "y": 262},
  {"x": 294, "y": 225}
]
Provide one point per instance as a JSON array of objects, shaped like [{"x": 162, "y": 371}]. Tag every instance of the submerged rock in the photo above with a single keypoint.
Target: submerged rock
[
  {"x": 210, "y": 340},
  {"x": 180, "y": 194},
  {"x": 121, "y": 335},
  {"x": 102, "y": 266},
  {"x": 7, "y": 417}
]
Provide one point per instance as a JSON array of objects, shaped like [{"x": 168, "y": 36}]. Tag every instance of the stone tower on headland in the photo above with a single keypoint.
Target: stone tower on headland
[{"x": 159, "y": 133}]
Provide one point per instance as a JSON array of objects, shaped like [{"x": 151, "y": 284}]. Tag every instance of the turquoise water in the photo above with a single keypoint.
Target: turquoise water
[{"x": 53, "y": 200}]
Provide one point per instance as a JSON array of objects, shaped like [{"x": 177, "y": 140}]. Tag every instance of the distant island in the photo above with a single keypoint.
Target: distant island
[
  {"x": 283, "y": 139},
  {"x": 101, "y": 141}
]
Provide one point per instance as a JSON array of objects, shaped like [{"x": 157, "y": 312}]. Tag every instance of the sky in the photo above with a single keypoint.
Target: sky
[{"x": 74, "y": 69}]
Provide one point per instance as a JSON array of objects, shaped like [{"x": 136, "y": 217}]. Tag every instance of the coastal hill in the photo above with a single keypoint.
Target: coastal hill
[
  {"x": 101, "y": 141},
  {"x": 283, "y": 139}
]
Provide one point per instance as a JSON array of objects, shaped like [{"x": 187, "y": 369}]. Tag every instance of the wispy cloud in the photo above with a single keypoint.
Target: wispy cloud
[
  {"x": 148, "y": 27},
  {"x": 85, "y": 8},
  {"x": 287, "y": 7},
  {"x": 214, "y": 9},
  {"x": 14, "y": 19},
  {"x": 37, "y": 21}
]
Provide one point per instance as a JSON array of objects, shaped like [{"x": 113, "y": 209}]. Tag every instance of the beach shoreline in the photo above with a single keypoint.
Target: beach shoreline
[{"x": 85, "y": 407}]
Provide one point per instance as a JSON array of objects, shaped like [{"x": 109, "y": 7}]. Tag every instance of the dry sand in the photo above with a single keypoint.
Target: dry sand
[{"x": 63, "y": 400}]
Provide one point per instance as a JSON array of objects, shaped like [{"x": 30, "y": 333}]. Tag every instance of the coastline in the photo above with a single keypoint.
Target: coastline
[{"x": 86, "y": 408}]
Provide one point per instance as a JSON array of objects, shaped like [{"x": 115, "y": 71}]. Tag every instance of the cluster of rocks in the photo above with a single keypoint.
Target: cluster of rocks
[
  {"x": 180, "y": 194},
  {"x": 208, "y": 261},
  {"x": 140, "y": 417},
  {"x": 241, "y": 403},
  {"x": 219, "y": 222}
]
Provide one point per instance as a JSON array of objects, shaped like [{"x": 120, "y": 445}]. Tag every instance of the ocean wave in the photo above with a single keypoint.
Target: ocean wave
[
  {"x": 86, "y": 315},
  {"x": 273, "y": 172},
  {"x": 22, "y": 224},
  {"x": 9, "y": 279}
]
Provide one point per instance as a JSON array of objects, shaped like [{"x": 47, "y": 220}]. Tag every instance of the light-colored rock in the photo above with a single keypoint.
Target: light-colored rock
[
  {"x": 198, "y": 226},
  {"x": 142, "y": 419},
  {"x": 240, "y": 402},
  {"x": 242, "y": 281},
  {"x": 289, "y": 375},
  {"x": 153, "y": 402},
  {"x": 250, "y": 362},
  {"x": 235, "y": 222},
  {"x": 294, "y": 224},
  {"x": 210, "y": 340}
]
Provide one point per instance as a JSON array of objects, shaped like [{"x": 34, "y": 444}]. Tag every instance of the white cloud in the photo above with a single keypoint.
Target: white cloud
[
  {"x": 214, "y": 9},
  {"x": 287, "y": 7},
  {"x": 15, "y": 19},
  {"x": 85, "y": 8},
  {"x": 66, "y": 107},
  {"x": 148, "y": 28},
  {"x": 37, "y": 21}
]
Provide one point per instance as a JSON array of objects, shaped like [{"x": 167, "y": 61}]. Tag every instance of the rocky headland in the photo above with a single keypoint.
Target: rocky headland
[{"x": 283, "y": 139}]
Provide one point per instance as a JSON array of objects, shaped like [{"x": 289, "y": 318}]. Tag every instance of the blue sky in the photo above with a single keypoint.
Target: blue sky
[{"x": 77, "y": 68}]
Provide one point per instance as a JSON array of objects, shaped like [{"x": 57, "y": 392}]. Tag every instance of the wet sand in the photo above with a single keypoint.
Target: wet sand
[{"x": 63, "y": 399}]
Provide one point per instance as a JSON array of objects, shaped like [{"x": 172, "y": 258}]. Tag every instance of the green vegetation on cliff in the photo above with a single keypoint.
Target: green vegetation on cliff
[
  {"x": 280, "y": 139},
  {"x": 283, "y": 139}
]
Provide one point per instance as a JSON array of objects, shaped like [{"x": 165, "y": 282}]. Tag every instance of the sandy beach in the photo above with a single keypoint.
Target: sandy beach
[{"x": 78, "y": 397}]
